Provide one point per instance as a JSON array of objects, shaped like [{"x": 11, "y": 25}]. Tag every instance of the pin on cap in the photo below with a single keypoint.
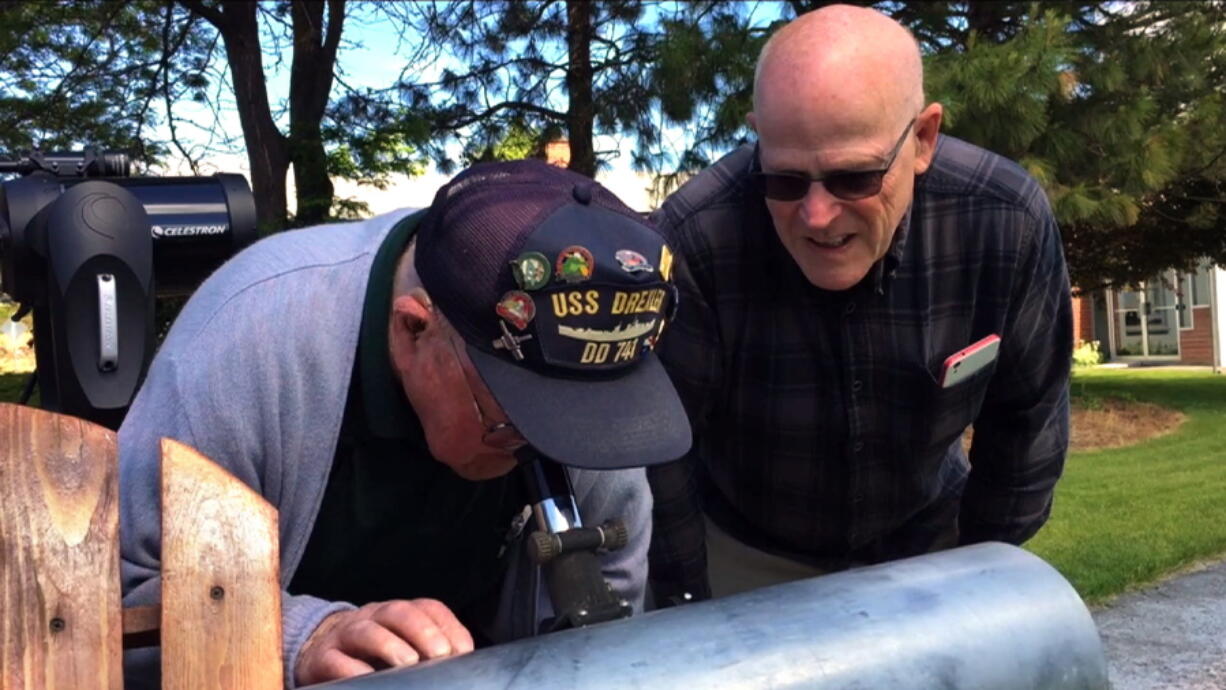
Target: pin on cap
[
  {"x": 518, "y": 308},
  {"x": 531, "y": 270},
  {"x": 510, "y": 342},
  {"x": 633, "y": 262},
  {"x": 666, "y": 262},
  {"x": 574, "y": 264}
]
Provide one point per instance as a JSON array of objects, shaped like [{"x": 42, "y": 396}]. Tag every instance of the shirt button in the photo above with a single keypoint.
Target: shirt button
[
  {"x": 856, "y": 386},
  {"x": 859, "y": 446},
  {"x": 851, "y": 306}
]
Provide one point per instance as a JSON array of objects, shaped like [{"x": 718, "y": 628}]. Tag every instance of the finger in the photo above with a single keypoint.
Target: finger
[
  {"x": 455, "y": 632},
  {"x": 416, "y": 627},
  {"x": 372, "y": 642},
  {"x": 332, "y": 664}
]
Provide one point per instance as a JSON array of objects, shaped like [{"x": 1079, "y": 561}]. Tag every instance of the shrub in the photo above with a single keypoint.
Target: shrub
[{"x": 1087, "y": 354}]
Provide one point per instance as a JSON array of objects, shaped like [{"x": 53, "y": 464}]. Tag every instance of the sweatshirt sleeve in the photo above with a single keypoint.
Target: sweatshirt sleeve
[{"x": 161, "y": 411}]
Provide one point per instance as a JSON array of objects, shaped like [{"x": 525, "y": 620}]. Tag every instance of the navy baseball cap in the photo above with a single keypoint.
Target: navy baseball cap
[{"x": 560, "y": 292}]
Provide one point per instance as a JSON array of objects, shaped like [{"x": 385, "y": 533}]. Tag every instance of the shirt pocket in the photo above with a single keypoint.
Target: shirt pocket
[{"x": 949, "y": 411}]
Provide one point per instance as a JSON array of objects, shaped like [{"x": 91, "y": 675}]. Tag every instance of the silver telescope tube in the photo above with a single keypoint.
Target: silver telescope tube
[{"x": 982, "y": 617}]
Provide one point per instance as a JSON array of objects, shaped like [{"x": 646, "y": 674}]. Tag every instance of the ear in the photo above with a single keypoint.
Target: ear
[
  {"x": 927, "y": 127},
  {"x": 751, "y": 120},
  {"x": 412, "y": 315}
]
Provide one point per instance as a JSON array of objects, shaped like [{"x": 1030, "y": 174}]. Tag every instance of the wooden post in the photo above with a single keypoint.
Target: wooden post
[
  {"x": 221, "y": 597},
  {"x": 60, "y": 608}
]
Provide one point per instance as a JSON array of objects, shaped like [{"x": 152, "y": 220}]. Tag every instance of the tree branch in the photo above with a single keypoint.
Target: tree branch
[
  {"x": 1203, "y": 199},
  {"x": 1212, "y": 161},
  {"x": 505, "y": 105},
  {"x": 79, "y": 63},
  {"x": 169, "y": 47},
  {"x": 213, "y": 16},
  {"x": 336, "y": 20},
  {"x": 542, "y": 65},
  {"x": 170, "y": 116}
]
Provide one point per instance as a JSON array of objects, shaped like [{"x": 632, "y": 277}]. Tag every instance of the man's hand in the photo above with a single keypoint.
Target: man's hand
[{"x": 379, "y": 635}]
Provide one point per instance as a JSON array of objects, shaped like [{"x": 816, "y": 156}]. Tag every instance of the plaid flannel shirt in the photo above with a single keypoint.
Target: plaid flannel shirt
[{"x": 821, "y": 432}]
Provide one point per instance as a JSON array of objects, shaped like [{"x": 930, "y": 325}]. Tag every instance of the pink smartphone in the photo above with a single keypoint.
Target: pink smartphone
[{"x": 964, "y": 363}]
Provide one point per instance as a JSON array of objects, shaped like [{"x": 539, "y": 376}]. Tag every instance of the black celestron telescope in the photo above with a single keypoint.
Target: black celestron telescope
[{"x": 87, "y": 247}]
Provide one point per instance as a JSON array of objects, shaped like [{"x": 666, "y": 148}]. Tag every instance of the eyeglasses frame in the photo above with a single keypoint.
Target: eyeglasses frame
[
  {"x": 499, "y": 435},
  {"x": 757, "y": 173}
]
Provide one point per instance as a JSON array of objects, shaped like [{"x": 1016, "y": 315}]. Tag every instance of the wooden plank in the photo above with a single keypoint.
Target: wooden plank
[
  {"x": 61, "y": 624},
  {"x": 221, "y": 597}
]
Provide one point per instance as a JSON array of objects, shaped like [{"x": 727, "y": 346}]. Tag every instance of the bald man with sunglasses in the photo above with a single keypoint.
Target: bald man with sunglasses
[{"x": 833, "y": 275}]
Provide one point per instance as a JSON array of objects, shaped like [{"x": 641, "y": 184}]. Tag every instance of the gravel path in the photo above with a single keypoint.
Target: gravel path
[{"x": 1169, "y": 635}]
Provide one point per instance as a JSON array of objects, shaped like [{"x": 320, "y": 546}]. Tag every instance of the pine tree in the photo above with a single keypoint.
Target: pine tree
[
  {"x": 1116, "y": 110},
  {"x": 573, "y": 68}
]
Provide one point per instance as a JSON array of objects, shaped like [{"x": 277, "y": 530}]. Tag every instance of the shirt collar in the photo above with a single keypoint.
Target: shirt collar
[
  {"x": 387, "y": 411},
  {"x": 883, "y": 270}
]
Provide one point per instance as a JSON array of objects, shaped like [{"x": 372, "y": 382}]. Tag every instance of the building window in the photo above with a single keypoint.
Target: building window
[{"x": 1200, "y": 285}]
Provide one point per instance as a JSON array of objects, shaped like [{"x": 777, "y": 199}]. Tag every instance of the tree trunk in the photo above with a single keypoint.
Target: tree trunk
[
  {"x": 311, "y": 77},
  {"x": 267, "y": 153},
  {"x": 581, "y": 112}
]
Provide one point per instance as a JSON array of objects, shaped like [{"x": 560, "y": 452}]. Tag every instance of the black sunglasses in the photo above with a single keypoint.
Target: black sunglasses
[{"x": 848, "y": 185}]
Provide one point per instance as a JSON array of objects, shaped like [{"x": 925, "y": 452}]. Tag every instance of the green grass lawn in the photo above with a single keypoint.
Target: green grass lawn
[{"x": 1127, "y": 516}]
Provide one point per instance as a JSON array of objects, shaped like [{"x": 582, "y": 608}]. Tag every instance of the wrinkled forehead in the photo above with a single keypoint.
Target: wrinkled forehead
[{"x": 814, "y": 110}]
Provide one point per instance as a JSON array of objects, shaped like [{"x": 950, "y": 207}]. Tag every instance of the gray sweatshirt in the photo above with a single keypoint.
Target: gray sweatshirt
[{"x": 254, "y": 374}]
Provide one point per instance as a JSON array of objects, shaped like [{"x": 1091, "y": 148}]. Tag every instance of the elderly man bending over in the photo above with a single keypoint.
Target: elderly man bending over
[{"x": 374, "y": 381}]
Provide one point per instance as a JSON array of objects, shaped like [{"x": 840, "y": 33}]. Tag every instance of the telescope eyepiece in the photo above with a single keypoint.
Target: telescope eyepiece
[{"x": 109, "y": 164}]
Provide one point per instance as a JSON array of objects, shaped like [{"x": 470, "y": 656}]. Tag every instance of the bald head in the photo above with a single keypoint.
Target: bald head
[{"x": 840, "y": 60}]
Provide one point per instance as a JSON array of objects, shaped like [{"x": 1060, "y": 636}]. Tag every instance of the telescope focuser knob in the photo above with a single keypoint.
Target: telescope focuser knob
[
  {"x": 615, "y": 535},
  {"x": 543, "y": 547}
]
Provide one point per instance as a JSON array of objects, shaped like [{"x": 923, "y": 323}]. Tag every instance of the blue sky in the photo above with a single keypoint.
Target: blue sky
[{"x": 370, "y": 57}]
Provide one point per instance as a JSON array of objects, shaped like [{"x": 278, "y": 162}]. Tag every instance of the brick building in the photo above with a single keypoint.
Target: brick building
[{"x": 1176, "y": 318}]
